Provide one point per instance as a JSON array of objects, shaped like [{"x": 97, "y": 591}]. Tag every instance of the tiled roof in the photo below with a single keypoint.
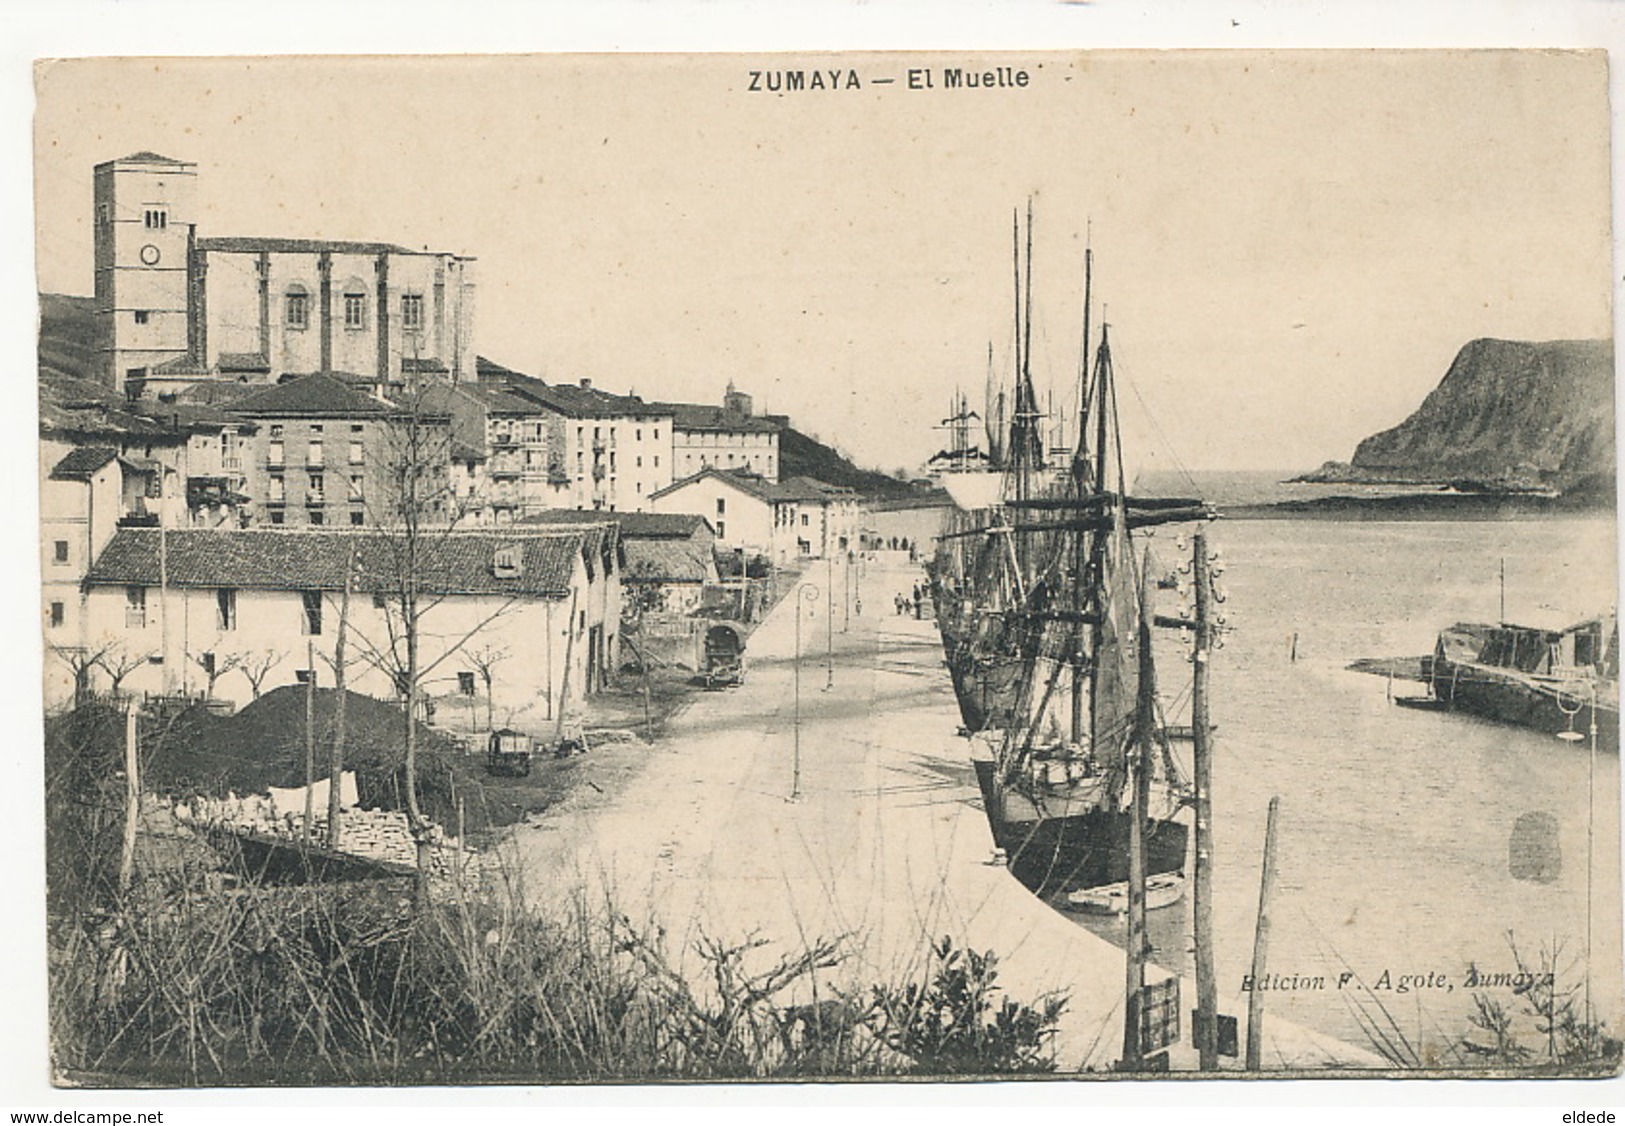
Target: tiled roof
[
  {"x": 298, "y": 246},
  {"x": 576, "y": 401},
  {"x": 80, "y": 463},
  {"x": 216, "y": 392},
  {"x": 493, "y": 399},
  {"x": 571, "y": 400},
  {"x": 804, "y": 489},
  {"x": 90, "y": 412},
  {"x": 811, "y": 488},
  {"x": 748, "y": 483},
  {"x": 668, "y": 561},
  {"x": 487, "y": 368},
  {"x": 634, "y": 525},
  {"x": 692, "y": 416},
  {"x": 180, "y": 365},
  {"x": 88, "y": 420},
  {"x": 146, "y": 157},
  {"x": 248, "y": 362},
  {"x": 321, "y": 394},
  {"x": 453, "y": 562},
  {"x": 191, "y": 415}
]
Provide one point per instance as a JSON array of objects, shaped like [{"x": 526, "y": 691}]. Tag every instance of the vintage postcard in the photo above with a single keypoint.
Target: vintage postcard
[{"x": 828, "y": 567}]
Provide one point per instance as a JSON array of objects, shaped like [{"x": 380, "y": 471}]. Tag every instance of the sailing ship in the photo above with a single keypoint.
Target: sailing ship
[{"x": 1045, "y": 613}]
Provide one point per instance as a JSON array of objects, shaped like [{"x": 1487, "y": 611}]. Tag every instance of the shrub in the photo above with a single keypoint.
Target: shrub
[{"x": 951, "y": 1024}]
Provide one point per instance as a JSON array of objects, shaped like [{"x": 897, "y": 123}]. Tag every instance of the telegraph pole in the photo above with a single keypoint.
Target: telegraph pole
[
  {"x": 310, "y": 743},
  {"x": 1261, "y": 944},
  {"x": 132, "y": 793},
  {"x": 1140, "y": 779},
  {"x": 1207, "y": 1041}
]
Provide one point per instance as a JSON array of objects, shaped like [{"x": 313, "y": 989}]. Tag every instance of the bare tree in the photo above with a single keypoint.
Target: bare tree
[
  {"x": 643, "y": 594},
  {"x": 485, "y": 659},
  {"x": 215, "y": 666},
  {"x": 417, "y": 510},
  {"x": 80, "y": 659},
  {"x": 118, "y": 662},
  {"x": 257, "y": 666}
]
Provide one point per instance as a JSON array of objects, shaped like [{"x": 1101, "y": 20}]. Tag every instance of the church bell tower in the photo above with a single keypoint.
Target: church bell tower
[{"x": 145, "y": 208}]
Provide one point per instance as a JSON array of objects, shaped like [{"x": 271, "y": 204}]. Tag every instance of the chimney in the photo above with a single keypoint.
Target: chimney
[{"x": 586, "y": 384}]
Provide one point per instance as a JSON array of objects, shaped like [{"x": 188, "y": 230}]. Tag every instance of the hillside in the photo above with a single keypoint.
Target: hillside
[
  {"x": 1508, "y": 414},
  {"x": 67, "y": 337},
  {"x": 801, "y": 456}
]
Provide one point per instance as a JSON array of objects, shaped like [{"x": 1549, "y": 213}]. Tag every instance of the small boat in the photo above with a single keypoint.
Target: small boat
[{"x": 1163, "y": 890}]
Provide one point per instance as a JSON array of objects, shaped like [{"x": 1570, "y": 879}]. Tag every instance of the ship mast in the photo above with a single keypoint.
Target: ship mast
[
  {"x": 1026, "y": 433},
  {"x": 1093, "y": 577},
  {"x": 1080, "y": 485}
]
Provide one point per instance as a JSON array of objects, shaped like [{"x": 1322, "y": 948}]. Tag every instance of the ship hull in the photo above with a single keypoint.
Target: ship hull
[
  {"x": 1072, "y": 851},
  {"x": 985, "y": 690},
  {"x": 1508, "y": 696}
]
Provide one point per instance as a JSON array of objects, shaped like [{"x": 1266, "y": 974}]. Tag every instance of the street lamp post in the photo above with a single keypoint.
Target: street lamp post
[
  {"x": 809, "y": 593},
  {"x": 846, "y": 594},
  {"x": 829, "y": 622},
  {"x": 1573, "y": 736}
]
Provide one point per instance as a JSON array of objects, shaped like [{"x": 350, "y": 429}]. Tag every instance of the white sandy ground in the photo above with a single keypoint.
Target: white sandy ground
[{"x": 886, "y": 842}]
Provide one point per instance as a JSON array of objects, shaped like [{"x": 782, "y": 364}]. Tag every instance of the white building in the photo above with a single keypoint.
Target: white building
[
  {"x": 728, "y": 437},
  {"x": 827, "y": 519},
  {"x": 85, "y": 497},
  {"x": 798, "y": 519},
  {"x": 543, "y": 606},
  {"x": 745, "y": 510}
]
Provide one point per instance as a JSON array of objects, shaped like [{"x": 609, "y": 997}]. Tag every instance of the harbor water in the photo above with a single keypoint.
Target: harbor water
[{"x": 1401, "y": 831}]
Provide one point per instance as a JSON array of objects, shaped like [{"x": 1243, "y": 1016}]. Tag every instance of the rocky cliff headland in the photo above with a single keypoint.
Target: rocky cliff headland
[{"x": 1510, "y": 417}]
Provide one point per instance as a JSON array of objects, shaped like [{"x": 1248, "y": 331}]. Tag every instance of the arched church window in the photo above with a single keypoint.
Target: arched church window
[{"x": 296, "y": 302}]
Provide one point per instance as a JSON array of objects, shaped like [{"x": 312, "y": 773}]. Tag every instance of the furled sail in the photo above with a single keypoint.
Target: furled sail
[{"x": 1116, "y": 655}]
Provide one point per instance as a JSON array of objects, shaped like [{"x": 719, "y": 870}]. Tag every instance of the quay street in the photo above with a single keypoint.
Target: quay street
[{"x": 884, "y": 840}]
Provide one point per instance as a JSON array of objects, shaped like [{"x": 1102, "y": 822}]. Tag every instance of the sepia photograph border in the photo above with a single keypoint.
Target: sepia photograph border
[{"x": 104, "y": 29}]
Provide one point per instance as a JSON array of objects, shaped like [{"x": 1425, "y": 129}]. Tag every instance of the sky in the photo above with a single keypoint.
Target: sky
[{"x": 1290, "y": 247}]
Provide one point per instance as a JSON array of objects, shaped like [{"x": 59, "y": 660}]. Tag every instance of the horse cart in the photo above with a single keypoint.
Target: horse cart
[{"x": 724, "y": 663}]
